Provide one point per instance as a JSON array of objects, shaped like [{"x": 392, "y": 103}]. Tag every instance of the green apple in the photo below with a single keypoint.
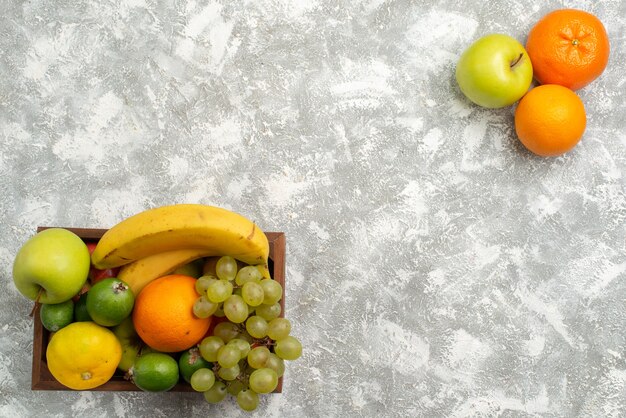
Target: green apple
[
  {"x": 52, "y": 266},
  {"x": 495, "y": 71}
]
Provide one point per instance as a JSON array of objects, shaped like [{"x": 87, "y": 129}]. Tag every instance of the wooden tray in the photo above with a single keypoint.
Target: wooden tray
[{"x": 42, "y": 379}]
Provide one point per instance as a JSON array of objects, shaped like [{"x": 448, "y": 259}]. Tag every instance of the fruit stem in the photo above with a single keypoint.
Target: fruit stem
[
  {"x": 32, "y": 312},
  {"x": 517, "y": 60},
  {"x": 119, "y": 287}
]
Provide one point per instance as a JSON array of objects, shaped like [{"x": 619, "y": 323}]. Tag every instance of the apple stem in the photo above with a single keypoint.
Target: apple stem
[
  {"x": 517, "y": 60},
  {"x": 32, "y": 312}
]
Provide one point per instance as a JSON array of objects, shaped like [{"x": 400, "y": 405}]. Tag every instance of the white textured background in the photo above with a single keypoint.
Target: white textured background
[{"x": 434, "y": 267}]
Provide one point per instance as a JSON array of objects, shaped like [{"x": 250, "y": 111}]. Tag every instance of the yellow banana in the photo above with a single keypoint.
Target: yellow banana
[
  {"x": 141, "y": 272},
  {"x": 185, "y": 226}
]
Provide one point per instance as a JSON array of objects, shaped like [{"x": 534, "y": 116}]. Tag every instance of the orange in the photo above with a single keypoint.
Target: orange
[
  {"x": 568, "y": 47},
  {"x": 163, "y": 314},
  {"x": 550, "y": 120}
]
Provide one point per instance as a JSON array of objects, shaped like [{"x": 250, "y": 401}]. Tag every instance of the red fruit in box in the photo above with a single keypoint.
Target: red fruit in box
[
  {"x": 96, "y": 275},
  {"x": 91, "y": 246},
  {"x": 84, "y": 289}
]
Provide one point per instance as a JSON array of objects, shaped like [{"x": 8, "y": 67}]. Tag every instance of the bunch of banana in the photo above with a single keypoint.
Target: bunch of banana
[
  {"x": 155, "y": 242},
  {"x": 141, "y": 272}
]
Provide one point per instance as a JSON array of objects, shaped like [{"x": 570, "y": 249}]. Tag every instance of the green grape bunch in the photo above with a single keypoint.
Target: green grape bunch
[{"x": 248, "y": 349}]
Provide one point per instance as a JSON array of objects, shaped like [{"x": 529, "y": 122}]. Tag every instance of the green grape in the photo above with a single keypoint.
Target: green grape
[
  {"x": 257, "y": 326},
  {"x": 226, "y": 331},
  {"x": 278, "y": 328},
  {"x": 258, "y": 356},
  {"x": 219, "y": 312},
  {"x": 203, "y": 282},
  {"x": 269, "y": 312},
  {"x": 203, "y": 308},
  {"x": 226, "y": 268},
  {"x": 238, "y": 292},
  {"x": 217, "y": 393},
  {"x": 244, "y": 335},
  {"x": 263, "y": 380},
  {"x": 202, "y": 380},
  {"x": 248, "y": 274},
  {"x": 235, "y": 387},
  {"x": 272, "y": 290},
  {"x": 247, "y": 400},
  {"x": 247, "y": 369},
  {"x": 275, "y": 363},
  {"x": 209, "y": 347},
  {"x": 252, "y": 293},
  {"x": 235, "y": 309},
  {"x": 228, "y": 355},
  {"x": 229, "y": 373},
  {"x": 219, "y": 291},
  {"x": 242, "y": 345},
  {"x": 289, "y": 348}
]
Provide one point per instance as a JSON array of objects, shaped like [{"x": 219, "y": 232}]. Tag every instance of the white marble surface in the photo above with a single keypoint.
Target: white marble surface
[{"x": 434, "y": 267}]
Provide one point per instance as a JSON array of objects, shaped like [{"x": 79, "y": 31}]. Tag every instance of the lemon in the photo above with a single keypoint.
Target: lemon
[{"x": 83, "y": 355}]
